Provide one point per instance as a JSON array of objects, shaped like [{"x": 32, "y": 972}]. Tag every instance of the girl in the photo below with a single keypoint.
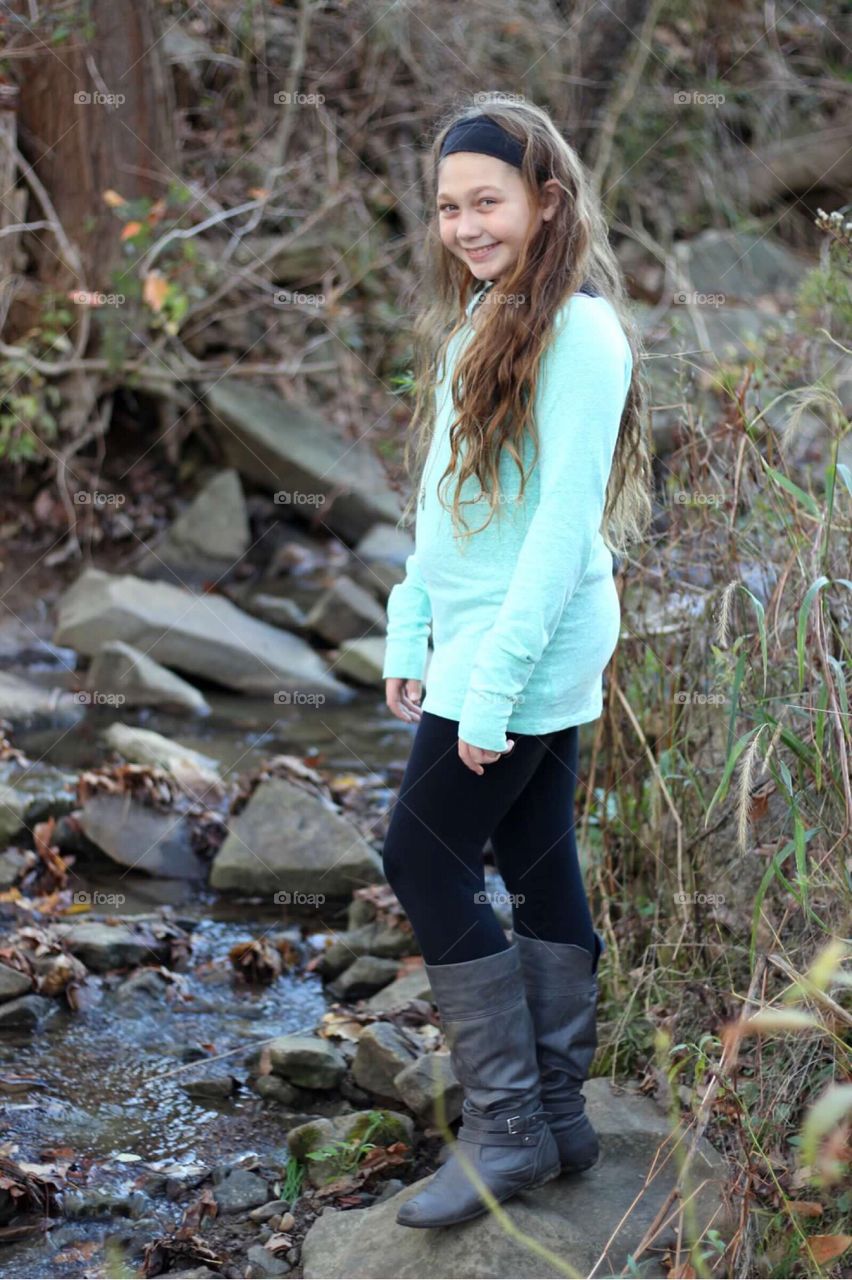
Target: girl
[{"x": 539, "y": 432}]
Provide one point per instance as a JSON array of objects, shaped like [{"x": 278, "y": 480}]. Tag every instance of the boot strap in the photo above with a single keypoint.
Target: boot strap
[{"x": 500, "y": 1132}]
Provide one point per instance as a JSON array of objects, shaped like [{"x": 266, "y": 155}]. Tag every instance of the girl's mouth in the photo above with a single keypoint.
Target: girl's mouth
[{"x": 478, "y": 254}]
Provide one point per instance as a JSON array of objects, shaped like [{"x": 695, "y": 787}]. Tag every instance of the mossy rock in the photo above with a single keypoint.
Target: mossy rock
[
  {"x": 309, "y": 1137},
  {"x": 393, "y": 1128}
]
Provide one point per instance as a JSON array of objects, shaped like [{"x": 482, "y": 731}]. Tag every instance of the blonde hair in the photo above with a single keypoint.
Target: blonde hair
[{"x": 499, "y": 367}]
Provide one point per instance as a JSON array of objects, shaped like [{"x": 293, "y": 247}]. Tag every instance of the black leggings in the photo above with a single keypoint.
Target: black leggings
[{"x": 443, "y": 815}]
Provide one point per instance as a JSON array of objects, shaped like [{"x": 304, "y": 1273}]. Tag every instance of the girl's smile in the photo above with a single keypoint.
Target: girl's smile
[{"x": 484, "y": 212}]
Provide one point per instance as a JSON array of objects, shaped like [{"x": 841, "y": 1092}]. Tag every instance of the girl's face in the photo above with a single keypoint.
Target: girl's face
[{"x": 483, "y": 205}]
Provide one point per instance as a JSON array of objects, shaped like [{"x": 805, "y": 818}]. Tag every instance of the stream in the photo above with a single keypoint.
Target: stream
[{"x": 106, "y": 1100}]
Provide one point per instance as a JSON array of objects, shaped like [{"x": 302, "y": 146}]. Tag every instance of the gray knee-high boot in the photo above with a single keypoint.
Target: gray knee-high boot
[
  {"x": 562, "y": 990},
  {"x": 504, "y": 1133}
]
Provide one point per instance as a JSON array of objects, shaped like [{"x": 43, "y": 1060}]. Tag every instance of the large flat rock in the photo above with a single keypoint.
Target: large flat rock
[
  {"x": 292, "y": 846},
  {"x": 202, "y": 635},
  {"x": 577, "y": 1216},
  {"x": 295, "y": 452}
]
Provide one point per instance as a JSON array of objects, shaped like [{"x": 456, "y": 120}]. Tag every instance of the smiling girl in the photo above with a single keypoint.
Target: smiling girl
[{"x": 529, "y": 420}]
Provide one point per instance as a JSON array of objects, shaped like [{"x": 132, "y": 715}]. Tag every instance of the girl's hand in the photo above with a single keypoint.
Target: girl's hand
[
  {"x": 403, "y": 697},
  {"x": 476, "y": 757}
]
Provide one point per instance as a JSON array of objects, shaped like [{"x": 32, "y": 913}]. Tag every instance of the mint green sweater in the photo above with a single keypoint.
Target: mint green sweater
[{"x": 524, "y": 615}]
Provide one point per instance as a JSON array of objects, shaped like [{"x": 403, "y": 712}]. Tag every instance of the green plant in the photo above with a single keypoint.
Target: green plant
[{"x": 347, "y": 1155}]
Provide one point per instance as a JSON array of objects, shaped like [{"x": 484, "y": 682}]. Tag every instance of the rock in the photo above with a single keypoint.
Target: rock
[
  {"x": 30, "y": 794},
  {"x": 310, "y": 1137},
  {"x": 739, "y": 264},
  {"x": 114, "y": 946},
  {"x": 147, "y": 983},
  {"x": 351, "y": 1129},
  {"x": 13, "y": 806},
  {"x": 360, "y": 911},
  {"x": 135, "y": 835},
  {"x": 573, "y": 1216},
  {"x": 174, "y": 1180},
  {"x": 120, "y": 668},
  {"x": 26, "y": 1011},
  {"x": 369, "y": 939},
  {"x": 13, "y": 983},
  {"x": 345, "y": 611},
  {"x": 364, "y": 977},
  {"x": 264, "y": 1263},
  {"x": 195, "y": 772},
  {"x": 13, "y": 863},
  {"x": 413, "y": 985},
  {"x": 428, "y": 1079},
  {"x": 101, "y": 1201},
  {"x": 288, "y": 842},
  {"x": 215, "y": 1087},
  {"x": 204, "y": 635},
  {"x": 278, "y": 611},
  {"x": 390, "y": 1188},
  {"x": 383, "y": 1050},
  {"x": 274, "y": 1089},
  {"x": 266, "y": 1211},
  {"x": 300, "y": 455},
  {"x": 214, "y": 527},
  {"x": 308, "y": 1061},
  {"x": 31, "y": 706},
  {"x": 236, "y": 1190},
  {"x": 362, "y": 660}
]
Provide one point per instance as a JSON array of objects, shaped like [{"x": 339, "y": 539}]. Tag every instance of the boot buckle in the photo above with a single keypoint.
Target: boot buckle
[{"x": 511, "y": 1120}]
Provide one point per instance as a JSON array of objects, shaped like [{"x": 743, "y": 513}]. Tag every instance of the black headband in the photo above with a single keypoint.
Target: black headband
[{"x": 483, "y": 134}]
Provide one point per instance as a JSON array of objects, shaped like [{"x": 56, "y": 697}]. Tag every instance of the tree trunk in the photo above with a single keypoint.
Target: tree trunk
[{"x": 80, "y": 140}]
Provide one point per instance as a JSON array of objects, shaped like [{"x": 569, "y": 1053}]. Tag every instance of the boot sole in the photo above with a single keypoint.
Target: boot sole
[
  {"x": 577, "y": 1168},
  {"x": 482, "y": 1209}
]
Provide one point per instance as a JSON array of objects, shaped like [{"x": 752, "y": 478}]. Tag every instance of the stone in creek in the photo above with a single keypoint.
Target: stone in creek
[
  {"x": 383, "y": 1050},
  {"x": 114, "y": 946},
  {"x": 428, "y": 1079},
  {"x": 308, "y": 1061},
  {"x": 204, "y": 635},
  {"x": 135, "y": 835},
  {"x": 264, "y": 1263},
  {"x": 364, "y": 977},
  {"x": 236, "y": 1190},
  {"x": 120, "y": 668},
  {"x": 13, "y": 983},
  {"x": 288, "y": 842},
  {"x": 26, "y": 1012}
]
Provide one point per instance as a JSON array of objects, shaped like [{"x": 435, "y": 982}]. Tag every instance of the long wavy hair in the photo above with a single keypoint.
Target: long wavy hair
[{"x": 495, "y": 378}]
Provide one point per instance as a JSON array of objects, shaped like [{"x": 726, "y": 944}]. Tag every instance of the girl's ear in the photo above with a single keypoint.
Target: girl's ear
[{"x": 551, "y": 194}]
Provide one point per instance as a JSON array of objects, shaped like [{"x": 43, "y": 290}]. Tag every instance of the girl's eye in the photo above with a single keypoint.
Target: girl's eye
[{"x": 442, "y": 208}]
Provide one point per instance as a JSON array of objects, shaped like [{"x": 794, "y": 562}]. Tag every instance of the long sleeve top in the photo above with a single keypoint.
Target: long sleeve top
[{"x": 524, "y": 614}]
